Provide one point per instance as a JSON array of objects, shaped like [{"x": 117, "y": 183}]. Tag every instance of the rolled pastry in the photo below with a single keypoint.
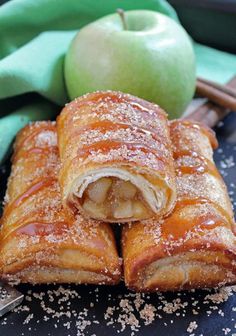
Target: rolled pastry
[
  {"x": 195, "y": 246},
  {"x": 40, "y": 242},
  {"x": 116, "y": 156}
]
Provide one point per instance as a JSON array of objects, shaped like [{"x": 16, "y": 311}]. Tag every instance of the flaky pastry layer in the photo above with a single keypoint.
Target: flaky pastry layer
[
  {"x": 40, "y": 241},
  {"x": 118, "y": 137},
  {"x": 195, "y": 246}
]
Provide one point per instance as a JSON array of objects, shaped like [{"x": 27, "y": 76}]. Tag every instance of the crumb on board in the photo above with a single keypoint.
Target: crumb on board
[{"x": 126, "y": 313}]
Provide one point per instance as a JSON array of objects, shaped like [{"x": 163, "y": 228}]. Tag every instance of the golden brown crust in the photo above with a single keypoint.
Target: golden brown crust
[
  {"x": 40, "y": 242},
  {"x": 118, "y": 131},
  {"x": 195, "y": 246}
]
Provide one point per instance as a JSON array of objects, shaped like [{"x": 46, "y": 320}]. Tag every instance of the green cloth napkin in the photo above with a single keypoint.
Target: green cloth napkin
[
  {"x": 34, "y": 37},
  {"x": 214, "y": 64}
]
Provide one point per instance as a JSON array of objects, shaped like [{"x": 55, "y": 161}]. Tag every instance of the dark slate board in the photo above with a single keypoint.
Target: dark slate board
[{"x": 81, "y": 310}]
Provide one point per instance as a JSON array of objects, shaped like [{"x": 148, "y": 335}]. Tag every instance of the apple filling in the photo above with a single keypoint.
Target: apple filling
[{"x": 114, "y": 199}]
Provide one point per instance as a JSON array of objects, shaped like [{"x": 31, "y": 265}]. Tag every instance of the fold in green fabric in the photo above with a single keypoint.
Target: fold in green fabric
[
  {"x": 37, "y": 67},
  {"x": 34, "y": 37},
  {"x": 214, "y": 65}
]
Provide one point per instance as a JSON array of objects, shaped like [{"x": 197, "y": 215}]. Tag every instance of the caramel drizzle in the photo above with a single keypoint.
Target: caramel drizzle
[
  {"x": 176, "y": 226},
  {"x": 38, "y": 151},
  {"x": 28, "y": 193},
  {"x": 107, "y": 125},
  {"x": 28, "y": 138},
  {"x": 209, "y": 133},
  {"x": 7, "y": 230},
  {"x": 205, "y": 165},
  {"x": 117, "y": 98},
  {"x": 39, "y": 228},
  {"x": 42, "y": 228},
  {"x": 201, "y": 200},
  {"x": 106, "y": 146},
  {"x": 145, "y": 109}
]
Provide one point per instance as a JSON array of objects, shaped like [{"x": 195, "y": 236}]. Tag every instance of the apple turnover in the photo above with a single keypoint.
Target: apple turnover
[
  {"x": 40, "y": 242},
  {"x": 195, "y": 246},
  {"x": 116, "y": 157}
]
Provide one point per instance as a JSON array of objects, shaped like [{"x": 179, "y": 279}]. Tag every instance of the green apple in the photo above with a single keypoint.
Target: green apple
[{"x": 150, "y": 56}]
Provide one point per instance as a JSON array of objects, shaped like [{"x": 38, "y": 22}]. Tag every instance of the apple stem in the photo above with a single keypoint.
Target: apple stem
[{"x": 121, "y": 13}]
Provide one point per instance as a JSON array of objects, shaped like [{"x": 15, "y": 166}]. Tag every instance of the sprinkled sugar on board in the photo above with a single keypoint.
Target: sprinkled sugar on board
[{"x": 90, "y": 310}]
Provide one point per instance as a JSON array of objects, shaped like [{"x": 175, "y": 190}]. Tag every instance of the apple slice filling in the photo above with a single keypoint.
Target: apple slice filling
[{"x": 114, "y": 199}]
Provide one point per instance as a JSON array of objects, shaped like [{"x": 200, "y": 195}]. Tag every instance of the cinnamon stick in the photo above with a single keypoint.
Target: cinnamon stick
[
  {"x": 216, "y": 95},
  {"x": 209, "y": 113},
  {"x": 224, "y": 88}
]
